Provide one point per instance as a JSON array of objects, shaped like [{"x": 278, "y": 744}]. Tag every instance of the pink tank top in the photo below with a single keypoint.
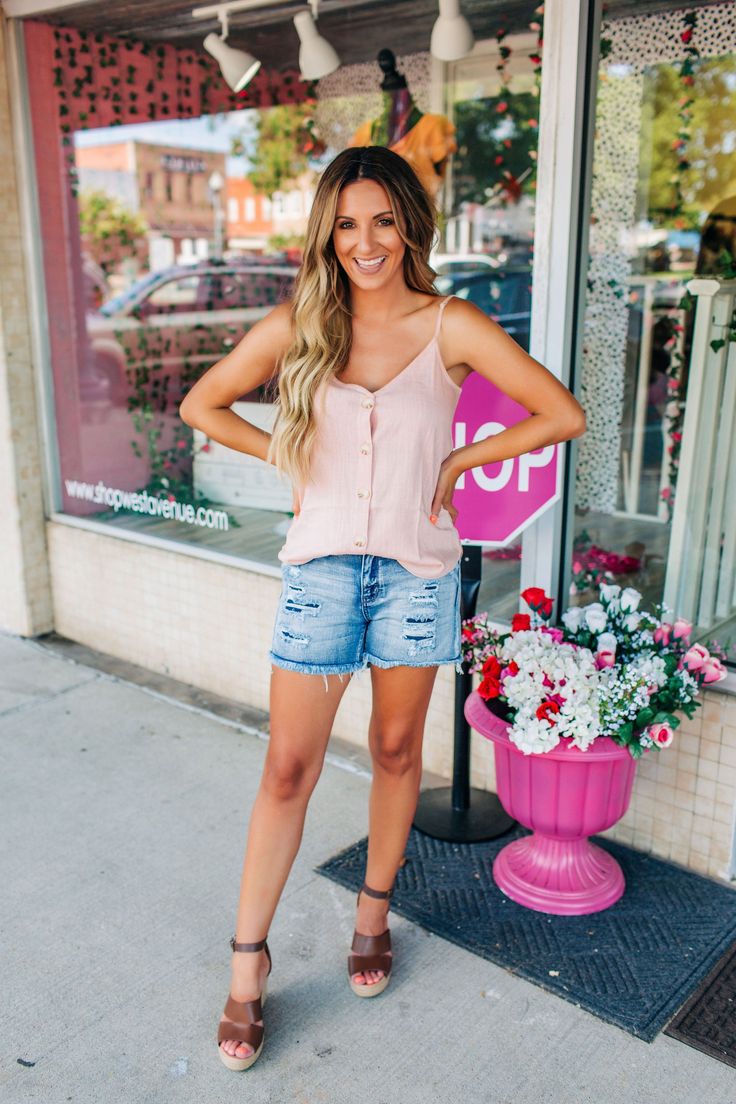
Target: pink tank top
[{"x": 374, "y": 470}]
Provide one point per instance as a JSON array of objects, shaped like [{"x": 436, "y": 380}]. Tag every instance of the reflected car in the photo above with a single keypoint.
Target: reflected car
[
  {"x": 504, "y": 294},
  {"x": 165, "y": 330}
]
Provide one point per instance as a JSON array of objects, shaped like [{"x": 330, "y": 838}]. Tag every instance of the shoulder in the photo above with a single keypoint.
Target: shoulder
[
  {"x": 277, "y": 327},
  {"x": 459, "y": 313},
  {"x": 465, "y": 327}
]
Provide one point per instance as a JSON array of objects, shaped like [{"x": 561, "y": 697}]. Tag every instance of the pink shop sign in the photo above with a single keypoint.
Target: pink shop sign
[{"x": 496, "y": 502}]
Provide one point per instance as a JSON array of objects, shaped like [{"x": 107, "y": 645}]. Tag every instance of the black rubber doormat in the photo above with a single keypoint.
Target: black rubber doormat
[
  {"x": 632, "y": 965},
  {"x": 708, "y": 1019}
]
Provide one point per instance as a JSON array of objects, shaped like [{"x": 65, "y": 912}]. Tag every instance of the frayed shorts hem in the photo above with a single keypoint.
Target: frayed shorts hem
[
  {"x": 316, "y": 668},
  {"x": 352, "y": 668},
  {"x": 376, "y": 662}
]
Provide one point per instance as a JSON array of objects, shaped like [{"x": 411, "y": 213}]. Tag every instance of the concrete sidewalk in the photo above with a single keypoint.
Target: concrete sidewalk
[{"x": 125, "y": 814}]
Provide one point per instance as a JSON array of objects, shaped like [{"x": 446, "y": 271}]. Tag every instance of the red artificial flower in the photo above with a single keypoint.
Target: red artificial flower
[
  {"x": 687, "y": 35},
  {"x": 537, "y": 600},
  {"x": 501, "y": 107},
  {"x": 491, "y": 667},
  {"x": 489, "y": 688},
  {"x": 547, "y": 708},
  {"x": 468, "y": 633},
  {"x": 520, "y": 621},
  {"x": 533, "y": 596}
]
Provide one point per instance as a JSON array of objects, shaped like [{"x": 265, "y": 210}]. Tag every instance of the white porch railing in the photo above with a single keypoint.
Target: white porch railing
[{"x": 700, "y": 583}]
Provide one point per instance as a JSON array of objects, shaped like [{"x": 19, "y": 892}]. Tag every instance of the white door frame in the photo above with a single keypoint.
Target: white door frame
[{"x": 564, "y": 155}]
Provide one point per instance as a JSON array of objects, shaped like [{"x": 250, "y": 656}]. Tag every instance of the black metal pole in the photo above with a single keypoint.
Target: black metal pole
[{"x": 458, "y": 813}]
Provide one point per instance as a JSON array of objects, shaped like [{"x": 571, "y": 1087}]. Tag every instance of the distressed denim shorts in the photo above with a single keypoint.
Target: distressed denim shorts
[{"x": 337, "y": 614}]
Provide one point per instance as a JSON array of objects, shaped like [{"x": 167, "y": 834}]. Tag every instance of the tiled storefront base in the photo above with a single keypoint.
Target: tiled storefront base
[
  {"x": 210, "y": 624},
  {"x": 684, "y": 797}
]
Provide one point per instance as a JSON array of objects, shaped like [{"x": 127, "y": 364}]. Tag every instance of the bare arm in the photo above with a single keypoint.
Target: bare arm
[
  {"x": 469, "y": 337},
  {"x": 250, "y": 364}
]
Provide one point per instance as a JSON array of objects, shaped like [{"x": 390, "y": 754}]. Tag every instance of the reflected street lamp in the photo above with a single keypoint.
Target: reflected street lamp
[{"x": 216, "y": 183}]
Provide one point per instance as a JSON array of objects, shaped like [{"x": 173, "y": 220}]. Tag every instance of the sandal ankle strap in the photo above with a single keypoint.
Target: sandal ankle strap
[
  {"x": 385, "y": 893},
  {"x": 248, "y": 946}
]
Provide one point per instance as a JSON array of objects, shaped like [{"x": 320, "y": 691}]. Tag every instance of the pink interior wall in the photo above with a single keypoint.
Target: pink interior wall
[{"x": 85, "y": 81}]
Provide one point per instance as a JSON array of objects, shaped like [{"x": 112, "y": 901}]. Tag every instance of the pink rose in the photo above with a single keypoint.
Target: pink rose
[
  {"x": 661, "y": 734},
  {"x": 713, "y": 670},
  {"x": 555, "y": 633},
  {"x": 681, "y": 628},
  {"x": 662, "y": 633},
  {"x": 695, "y": 657},
  {"x": 605, "y": 658}
]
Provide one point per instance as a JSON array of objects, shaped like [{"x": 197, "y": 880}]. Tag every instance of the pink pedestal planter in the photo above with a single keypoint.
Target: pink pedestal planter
[{"x": 563, "y": 795}]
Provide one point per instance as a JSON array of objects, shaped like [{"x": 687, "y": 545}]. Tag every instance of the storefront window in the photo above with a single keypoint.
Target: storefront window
[
  {"x": 186, "y": 228},
  {"x": 663, "y": 208}
]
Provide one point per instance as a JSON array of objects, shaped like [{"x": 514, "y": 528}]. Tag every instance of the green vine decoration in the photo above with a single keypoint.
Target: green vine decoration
[{"x": 684, "y": 113}]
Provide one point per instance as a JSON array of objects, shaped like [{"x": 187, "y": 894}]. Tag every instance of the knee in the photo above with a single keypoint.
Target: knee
[
  {"x": 395, "y": 753},
  {"x": 287, "y": 776}
]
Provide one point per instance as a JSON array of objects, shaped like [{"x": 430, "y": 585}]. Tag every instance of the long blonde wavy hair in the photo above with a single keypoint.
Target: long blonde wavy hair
[{"x": 321, "y": 302}]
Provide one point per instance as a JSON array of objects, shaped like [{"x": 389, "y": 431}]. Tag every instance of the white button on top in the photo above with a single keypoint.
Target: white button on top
[
  {"x": 367, "y": 403},
  {"x": 363, "y": 494},
  {"x": 359, "y": 542},
  {"x": 365, "y": 447}
]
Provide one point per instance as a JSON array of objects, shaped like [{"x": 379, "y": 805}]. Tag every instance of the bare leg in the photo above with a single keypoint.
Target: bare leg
[
  {"x": 401, "y": 698},
  {"x": 302, "y": 715}
]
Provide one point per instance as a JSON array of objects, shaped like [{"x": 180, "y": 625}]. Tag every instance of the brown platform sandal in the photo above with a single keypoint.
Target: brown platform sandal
[
  {"x": 241, "y": 1017},
  {"x": 370, "y": 952}
]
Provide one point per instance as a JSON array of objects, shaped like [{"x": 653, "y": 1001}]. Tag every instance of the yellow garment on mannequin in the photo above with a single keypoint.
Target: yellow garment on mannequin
[{"x": 427, "y": 144}]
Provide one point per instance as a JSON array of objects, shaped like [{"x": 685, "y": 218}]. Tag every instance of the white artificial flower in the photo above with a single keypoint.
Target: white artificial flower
[
  {"x": 575, "y": 682},
  {"x": 631, "y": 621},
  {"x": 572, "y": 617},
  {"x": 595, "y": 617},
  {"x": 609, "y": 594},
  {"x": 629, "y": 599},
  {"x": 534, "y": 736},
  {"x": 607, "y": 642}
]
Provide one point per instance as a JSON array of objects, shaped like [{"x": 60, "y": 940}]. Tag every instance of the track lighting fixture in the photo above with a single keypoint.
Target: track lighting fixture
[
  {"x": 316, "y": 57},
  {"x": 238, "y": 67},
  {"x": 452, "y": 37}
]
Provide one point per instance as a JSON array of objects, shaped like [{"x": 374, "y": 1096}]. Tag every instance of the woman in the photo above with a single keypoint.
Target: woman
[{"x": 371, "y": 564}]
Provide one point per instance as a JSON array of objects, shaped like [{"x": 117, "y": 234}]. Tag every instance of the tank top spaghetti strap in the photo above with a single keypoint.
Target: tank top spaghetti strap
[{"x": 375, "y": 467}]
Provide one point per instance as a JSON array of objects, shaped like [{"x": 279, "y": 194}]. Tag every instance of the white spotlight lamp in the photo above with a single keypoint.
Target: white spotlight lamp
[
  {"x": 452, "y": 37},
  {"x": 316, "y": 57},
  {"x": 238, "y": 67}
]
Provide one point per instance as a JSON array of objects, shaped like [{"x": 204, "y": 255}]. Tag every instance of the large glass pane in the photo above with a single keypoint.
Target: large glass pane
[
  {"x": 183, "y": 231},
  {"x": 662, "y": 212}
]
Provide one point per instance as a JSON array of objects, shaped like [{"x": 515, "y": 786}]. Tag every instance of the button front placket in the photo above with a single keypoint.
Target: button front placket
[{"x": 364, "y": 470}]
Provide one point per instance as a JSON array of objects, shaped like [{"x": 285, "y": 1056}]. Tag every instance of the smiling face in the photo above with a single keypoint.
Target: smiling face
[{"x": 365, "y": 236}]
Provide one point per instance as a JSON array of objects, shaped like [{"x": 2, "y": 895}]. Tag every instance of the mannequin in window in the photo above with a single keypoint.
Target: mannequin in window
[{"x": 425, "y": 141}]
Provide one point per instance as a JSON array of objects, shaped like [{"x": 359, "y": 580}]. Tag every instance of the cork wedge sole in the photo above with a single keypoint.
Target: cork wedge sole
[{"x": 370, "y": 990}]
